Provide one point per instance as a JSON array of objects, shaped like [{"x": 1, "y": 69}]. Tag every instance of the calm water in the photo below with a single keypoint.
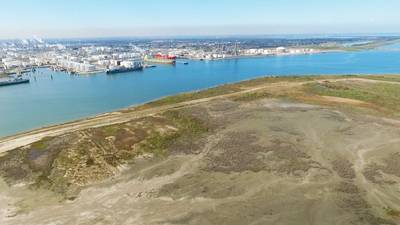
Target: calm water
[{"x": 45, "y": 101}]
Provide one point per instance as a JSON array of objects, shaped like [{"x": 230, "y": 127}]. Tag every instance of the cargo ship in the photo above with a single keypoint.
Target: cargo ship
[
  {"x": 160, "y": 59},
  {"x": 14, "y": 81},
  {"x": 122, "y": 69},
  {"x": 126, "y": 66}
]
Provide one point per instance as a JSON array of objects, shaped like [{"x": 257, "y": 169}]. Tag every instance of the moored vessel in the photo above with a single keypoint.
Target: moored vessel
[
  {"x": 126, "y": 66},
  {"x": 160, "y": 59},
  {"x": 18, "y": 80},
  {"x": 122, "y": 69}
]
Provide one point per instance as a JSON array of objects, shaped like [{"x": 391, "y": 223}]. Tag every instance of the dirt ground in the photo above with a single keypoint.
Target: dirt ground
[{"x": 260, "y": 161}]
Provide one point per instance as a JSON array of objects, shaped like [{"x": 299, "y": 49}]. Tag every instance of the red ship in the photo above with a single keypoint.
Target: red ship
[{"x": 161, "y": 58}]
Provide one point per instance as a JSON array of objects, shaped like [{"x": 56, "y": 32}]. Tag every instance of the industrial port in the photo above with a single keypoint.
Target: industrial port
[
  {"x": 91, "y": 56},
  {"x": 85, "y": 57}
]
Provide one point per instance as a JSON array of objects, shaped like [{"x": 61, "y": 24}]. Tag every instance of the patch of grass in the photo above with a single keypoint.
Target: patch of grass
[
  {"x": 42, "y": 144},
  {"x": 391, "y": 78},
  {"x": 186, "y": 123},
  {"x": 392, "y": 212},
  {"x": 384, "y": 95},
  {"x": 187, "y": 128},
  {"x": 339, "y": 90},
  {"x": 158, "y": 143},
  {"x": 110, "y": 130},
  {"x": 248, "y": 97},
  {"x": 276, "y": 79}
]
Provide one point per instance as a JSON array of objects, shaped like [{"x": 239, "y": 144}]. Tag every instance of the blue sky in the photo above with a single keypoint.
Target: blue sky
[{"x": 105, "y": 18}]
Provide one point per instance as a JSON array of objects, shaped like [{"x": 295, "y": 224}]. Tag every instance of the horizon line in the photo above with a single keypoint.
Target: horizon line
[{"x": 216, "y": 36}]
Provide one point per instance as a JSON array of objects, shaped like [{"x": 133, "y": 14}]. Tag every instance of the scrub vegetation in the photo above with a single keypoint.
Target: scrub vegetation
[{"x": 292, "y": 150}]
